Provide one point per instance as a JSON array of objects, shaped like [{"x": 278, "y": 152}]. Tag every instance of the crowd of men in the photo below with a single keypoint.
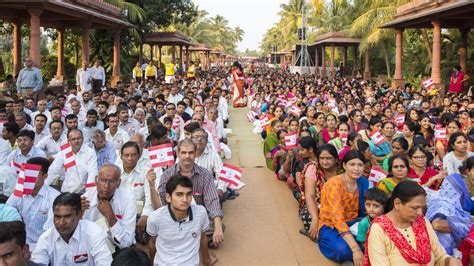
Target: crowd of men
[{"x": 96, "y": 195}]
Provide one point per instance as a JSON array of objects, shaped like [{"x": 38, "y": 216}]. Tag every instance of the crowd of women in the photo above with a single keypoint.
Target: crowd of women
[{"x": 358, "y": 153}]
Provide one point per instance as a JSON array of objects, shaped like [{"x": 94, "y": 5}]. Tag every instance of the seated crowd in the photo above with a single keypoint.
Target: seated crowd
[
  {"x": 382, "y": 176},
  {"x": 97, "y": 197}
]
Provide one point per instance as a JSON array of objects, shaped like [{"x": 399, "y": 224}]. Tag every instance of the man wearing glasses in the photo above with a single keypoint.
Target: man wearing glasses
[
  {"x": 29, "y": 80},
  {"x": 112, "y": 207},
  {"x": 76, "y": 178}
]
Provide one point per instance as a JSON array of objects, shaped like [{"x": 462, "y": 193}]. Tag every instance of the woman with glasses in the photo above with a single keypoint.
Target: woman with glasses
[
  {"x": 398, "y": 166},
  {"x": 457, "y": 148},
  {"x": 421, "y": 172}
]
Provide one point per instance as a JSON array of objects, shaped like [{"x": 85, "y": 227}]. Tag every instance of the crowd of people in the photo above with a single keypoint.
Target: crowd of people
[
  {"x": 381, "y": 175},
  {"x": 82, "y": 182}
]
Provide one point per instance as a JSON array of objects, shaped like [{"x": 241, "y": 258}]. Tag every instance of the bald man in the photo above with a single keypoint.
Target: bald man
[{"x": 113, "y": 208}]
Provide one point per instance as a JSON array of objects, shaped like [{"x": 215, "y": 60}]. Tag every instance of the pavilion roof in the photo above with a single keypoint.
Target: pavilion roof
[
  {"x": 336, "y": 38},
  {"x": 216, "y": 51},
  {"x": 165, "y": 38},
  {"x": 420, "y": 14},
  {"x": 200, "y": 48},
  {"x": 65, "y": 13}
]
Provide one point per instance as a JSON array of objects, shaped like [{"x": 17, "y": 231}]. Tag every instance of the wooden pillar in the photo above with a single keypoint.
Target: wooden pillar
[
  {"x": 208, "y": 59},
  {"x": 398, "y": 76},
  {"x": 367, "y": 74},
  {"x": 331, "y": 63},
  {"x": 16, "y": 48},
  {"x": 344, "y": 59},
  {"x": 35, "y": 36},
  {"x": 316, "y": 60},
  {"x": 140, "y": 53},
  {"x": 463, "y": 49},
  {"x": 116, "y": 68},
  {"x": 173, "y": 54},
  {"x": 181, "y": 70},
  {"x": 354, "y": 66},
  {"x": 86, "y": 27},
  {"x": 60, "y": 69},
  {"x": 187, "y": 57},
  {"x": 323, "y": 61},
  {"x": 159, "y": 56},
  {"x": 436, "y": 62},
  {"x": 152, "y": 54}
]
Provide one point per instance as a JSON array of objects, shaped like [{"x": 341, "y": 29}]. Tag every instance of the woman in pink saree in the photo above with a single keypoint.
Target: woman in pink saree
[{"x": 237, "y": 86}]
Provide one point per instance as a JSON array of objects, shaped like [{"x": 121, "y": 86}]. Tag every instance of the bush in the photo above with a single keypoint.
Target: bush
[{"x": 49, "y": 66}]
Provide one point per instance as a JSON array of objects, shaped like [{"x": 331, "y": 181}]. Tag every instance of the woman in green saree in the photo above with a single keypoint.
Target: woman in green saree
[
  {"x": 398, "y": 166},
  {"x": 271, "y": 141}
]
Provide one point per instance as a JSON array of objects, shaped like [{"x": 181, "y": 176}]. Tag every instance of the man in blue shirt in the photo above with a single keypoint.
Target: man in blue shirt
[
  {"x": 29, "y": 80},
  {"x": 105, "y": 150}
]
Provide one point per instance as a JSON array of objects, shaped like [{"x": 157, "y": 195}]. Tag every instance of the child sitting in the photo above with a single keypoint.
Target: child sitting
[
  {"x": 168, "y": 123},
  {"x": 375, "y": 200}
]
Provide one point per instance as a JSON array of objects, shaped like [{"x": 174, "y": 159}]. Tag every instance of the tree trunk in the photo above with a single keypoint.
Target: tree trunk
[
  {"x": 76, "y": 53},
  {"x": 426, "y": 41},
  {"x": 2, "y": 69},
  {"x": 387, "y": 61}
]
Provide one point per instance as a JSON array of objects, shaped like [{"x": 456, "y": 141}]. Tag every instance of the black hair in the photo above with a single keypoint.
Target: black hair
[
  {"x": 190, "y": 127},
  {"x": 413, "y": 127},
  {"x": 452, "y": 139},
  {"x": 70, "y": 117},
  {"x": 43, "y": 116},
  {"x": 129, "y": 144},
  {"x": 167, "y": 119},
  {"x": 405, "y": 191},
  {"x": 57, "y": 121},
  {"x": 467, "y": 165},
  {"x": 309, "y": 142},
  {"x": 362, "y": 146},
  {"x": 12, "y": 127},
  {"x": 13, "y": 230},
  {"x": 397, "y": 156},
  {"x": 158, "y": 132},
  {"x": 353, "y": 154},
  {"x": 403, "y": 142},
  {"x": 45, "y": 163},
  {"x": 176, "y": 180},
  {"x": 104, "y": 103},
  {"x": 377, "y": 195},
  {"x": 130, "y": 256},
  {"x": 330, "y": 149},
  {"x": 92, "y": 112},
  {"x": 281, "y": 131},
  {"x": 68, "y": 199},
  {"x": 26, "y": 133}
]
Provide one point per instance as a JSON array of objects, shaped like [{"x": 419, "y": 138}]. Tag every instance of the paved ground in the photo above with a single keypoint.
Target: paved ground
[{"x": 262, "y": 224}]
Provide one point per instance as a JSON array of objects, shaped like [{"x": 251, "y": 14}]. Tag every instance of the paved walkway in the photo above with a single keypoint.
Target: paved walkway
[{"x": 262, "y": 224}]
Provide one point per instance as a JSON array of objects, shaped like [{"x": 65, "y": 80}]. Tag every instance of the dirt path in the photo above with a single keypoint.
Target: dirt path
[{"x": 262, "y": 224}]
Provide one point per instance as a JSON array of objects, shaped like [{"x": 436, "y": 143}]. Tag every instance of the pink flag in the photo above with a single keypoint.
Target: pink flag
[
  {"x": 344, "y": 139},
  {"x": 399, "y": 120},
  {"x": 295, "y": 110},
  {"x": 427, "y": 83},
  {"x": 176, "y": 122},
  {"x": 377, "y": 174},
  {"x": 251, "y": 116},
  {"x": 231, "y": 175},
  {"x": 161, "y": 155},
  {"x": 290, "y": 140},
  {"x": 377, "y": 138},
  {"x": 70, "y": 158},
  {"x": 264, "y": 121},
  {"x": 440, "y": 132}
]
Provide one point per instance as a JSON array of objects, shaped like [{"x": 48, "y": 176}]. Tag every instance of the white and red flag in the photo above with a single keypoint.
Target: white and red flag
[
  {"x": 344, "y": 139},
  {"x": 283, "y": 103},
  {"x": 399, "y": 120},
  {"x": 290, "y": 140},
  {"x": 251, "y": 116},
  {"x": 161, "y": 155},
  {"x": 440, "y": 132},
  {"x": 231, "y": 175},
  {"x": 295, "y": 110},
  {"x": 377, "y": 174},
  {"x": 176, "y": 122},
  {"x": 70, "y": 158},
  {"x": 377, "y": 138},
  {"x": 27, "y": 179},
  {"x": 332, "y": 103},
  {"x": 15, "y": 166},
  {"x": 264, "y": 121},
  {"x": 427, "y": 83}
]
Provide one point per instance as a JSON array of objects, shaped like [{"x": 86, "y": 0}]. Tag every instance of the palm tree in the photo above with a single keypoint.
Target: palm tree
[{"x": 135, "y": 15}]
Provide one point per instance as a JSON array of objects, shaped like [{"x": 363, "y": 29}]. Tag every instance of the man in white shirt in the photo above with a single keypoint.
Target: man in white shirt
[
  {"x": 177, "y": 229},
  {"x": 87, "y": 104},
  {"x": 128, "y": 124},
  {"x": 41, "y": 131},
  {"x": 34, "y": 208},
  {"x": 25, "y": 150},
  {"x": 71, "y": 241},
  {"x": 21, "y": 120},
  {"x": 42, "y": 109},
  {"x": 51, "y": 144},
  {"x": 83, "y": 78},
  {"x": 76, "y": 109},
  {"x": 98, "y": 76},
  {"x": 112, "y": 207},
  {"x": 174, "y": 96},
  {"x": 115, "y": 134},
  {"x": 5, "y": 150},
  {"x": 90, "y": 125},
  {"x": 80, "y": 176}
]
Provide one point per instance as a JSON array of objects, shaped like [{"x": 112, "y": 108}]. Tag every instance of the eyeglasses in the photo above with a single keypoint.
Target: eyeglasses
[
  {"x": 107, "y": 182},
  {"x": 419, "y": 158}
]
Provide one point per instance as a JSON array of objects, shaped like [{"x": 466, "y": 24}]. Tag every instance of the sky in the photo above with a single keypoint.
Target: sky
[{"x": 255, "y": 17}]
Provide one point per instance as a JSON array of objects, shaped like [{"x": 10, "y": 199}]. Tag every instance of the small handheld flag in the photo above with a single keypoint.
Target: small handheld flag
[{"x": 161, "y": 155}]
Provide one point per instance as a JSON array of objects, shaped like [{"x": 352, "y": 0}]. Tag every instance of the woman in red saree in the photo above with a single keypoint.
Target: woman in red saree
[
  {"x": 457, "y": 79},
  {"x": 404, "y": 236},
  {"x": 238, "y": 84}
]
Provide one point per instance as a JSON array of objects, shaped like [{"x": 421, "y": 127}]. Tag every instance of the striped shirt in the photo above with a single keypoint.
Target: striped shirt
[
  {"x": 211, "y": 160},
  {"x": 204, "y": 190},
  {"x": 34, "y": 211}
]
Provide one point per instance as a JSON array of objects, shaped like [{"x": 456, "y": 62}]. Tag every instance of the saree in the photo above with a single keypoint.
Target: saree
[
  {"x": 453, "y": 205},
  {"x": 387, "y": 185},
  {"x": 238, "y": 84},
  {"x": 422, "y": 254},
  {"x": 270, "y": 143},
  {"x": 383, "y": 150}
]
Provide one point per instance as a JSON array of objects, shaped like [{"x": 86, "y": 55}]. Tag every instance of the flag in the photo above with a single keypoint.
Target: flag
[
  {"x": 70, "y": 159},
  {"x": 176, "y": 123},
  {"x": 344, "y": 139},
  {"x": 427, "y": 83},
  {"x": 251, "y": 116},
  {"x": 332, "y": 103},
  {"x": 440, "y": 132},
  {"x": 19, "y": 185},
  {"x": 290, "y": 140},
  {"x": 26, "y": 179},
  {"x": 161, "y": 155},
  {"x": 295, "y": 110},
  {"x": 283, "y": 103},
  {"x": 15, "y": 166},
  {"x": 231, "y": 175},
  {"x": 377, "y": 138},
  {"x": 399, "y": 120},
  {"x": 377, "y": 174},
  {"x": 264, "y": 121}
]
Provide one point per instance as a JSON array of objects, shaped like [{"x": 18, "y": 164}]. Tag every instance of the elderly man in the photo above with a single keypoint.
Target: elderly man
[
  {"x": 75, "y": 178},
  {"x": 112, "y": 207},
  {"x": 51, "y": 144},
  {"x": 83, "y": 78},
  {"x": 204, "y": 190},
  {"x": 25, "y": 150},
  {"x": 21, "y": 120},
  {"x": 104, "y": 149},
  {"x": 42, "y": 109},
  {"x": 213, "y": 139},
  {"x": 29, "y": 80}
]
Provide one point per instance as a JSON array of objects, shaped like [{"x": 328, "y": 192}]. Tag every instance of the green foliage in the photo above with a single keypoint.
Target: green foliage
[{"x": 49, "y": 68}]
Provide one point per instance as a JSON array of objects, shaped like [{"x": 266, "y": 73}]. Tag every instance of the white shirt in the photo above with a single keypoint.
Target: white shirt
[
  {"x": 5, "y": 150},
  {"x": 34, "y": 211},
  {"x": 43, "y": 134},
  {"x": 131, "y": 127},
  {"x": 98, "y": 73},
  {"x": 76, "y": 177},
  {"x": 87, "y": 131},
  {"x": 87, "y": 242},
  {"x": 175, "y": 98},
  {"x": 28, "y": 127},
  {"x": 20, "y": 159},
  {"x": 223, "y": 108},
  {"x": 34, "y": 114},
  {"x": 84, "y": 79},
  {"x": 122, "y": 233},
  {"x": 50, "y": 146},
  {"x": 87, "y": 106},
  {"x": 81, "y": 117},
  {"x": 8, "y": 180},
  {"x": 177, "y": 242},
  {"x": 118, "y": 139}
]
